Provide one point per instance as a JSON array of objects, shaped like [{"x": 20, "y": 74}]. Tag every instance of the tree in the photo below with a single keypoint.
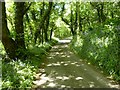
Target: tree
[
  {"x": 99, "y": 7},
  {"x": 19, "y": 28},
  {"x": 8, "y": 42},
  {"x": 72, "y": 22},
  {"x": 44, "y": 22},
  {"x": 12, "y": 46}
]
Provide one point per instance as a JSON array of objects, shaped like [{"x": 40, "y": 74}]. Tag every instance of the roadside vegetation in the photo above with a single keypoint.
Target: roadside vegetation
[{"x": 29, "y": 30}]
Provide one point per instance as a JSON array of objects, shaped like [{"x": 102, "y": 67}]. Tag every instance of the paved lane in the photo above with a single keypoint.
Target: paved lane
[{"x": 66, "y": 70}]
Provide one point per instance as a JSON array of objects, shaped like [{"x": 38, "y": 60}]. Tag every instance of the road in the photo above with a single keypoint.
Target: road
[{"x": 64, "y": 69}]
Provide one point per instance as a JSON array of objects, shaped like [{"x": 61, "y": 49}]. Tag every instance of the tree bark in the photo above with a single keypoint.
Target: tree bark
[
  {"x": 51, "y": 31},
  {"x": 8, "y": 42},
  {"x": 76, "y": 18},
  {"x": 71, "y": 23},
  {"x": 19, "y": 13},
  {"x": 43, "y": 19}
]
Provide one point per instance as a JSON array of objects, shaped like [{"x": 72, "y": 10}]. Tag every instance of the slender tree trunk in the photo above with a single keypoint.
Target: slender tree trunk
[
  {"x": 80, "y": 23},
  {"x": 76, "y": 18},
  {"x": 46, "y": 28},
  {"x": 71, "y": 23},
  {"x": 79, "y": 19},
  {"x": 47, "y": 21},
  {"x": 99, "y": 15},
  {"x": 103, "y": 17},
  {"x": 42, "y": 36},
  {"x": 43, "y": 19},
  {"x": 8, "y": 42},
  {"x": 51, "y": 33}
]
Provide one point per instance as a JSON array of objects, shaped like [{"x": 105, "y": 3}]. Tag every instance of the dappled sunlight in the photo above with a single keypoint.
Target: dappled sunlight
[
  {"x": 92, "y": 84},
  {"x": 63, "y": 78},
  {"x": 63, "y": 86},
  {"x": 59, "y": 48},
  {"x": 114, "y": 85},
  {"x": 54, "y": 64},
  {"x": 39, "y": 82},
  {"x": 61, "y": 53},
  {"x": 57, "y": 53},
  {"x": 64, "y": 70},
  {"x": 64, "y": 41},
  {"x": 65, "y": 64},
  {"x": 74, "y": 63},
  {"x": 53, "y": 55},
  {"x": 56, "y": 80},
  {"x": 62, "y": 82},
  {"x": 55, "y": 47},
  {"x": 79, "y": 78},
  {"x": 51, "y": 84},
  {"x": 78, "y": 65},
  {"x": 50, "y": 57},
  {"x": 43, "y": 79},
  {"x": 49, "y": 65},
  {"x": 61, "y": 62},
  {"x": 63, "y": 56},
  {"x": 82, "y": 64},
  {"x": 42, "y": 70},
  {"x": 68, "y": 56}
]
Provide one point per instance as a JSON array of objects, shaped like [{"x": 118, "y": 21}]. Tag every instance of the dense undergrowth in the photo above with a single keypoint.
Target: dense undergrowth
[
  {"x": 99, "y": 46},
  {"x": 20, "y": 73}
]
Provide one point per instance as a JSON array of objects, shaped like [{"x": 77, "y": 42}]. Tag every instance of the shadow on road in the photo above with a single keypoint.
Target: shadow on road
[{"x": 65, "y": 70}]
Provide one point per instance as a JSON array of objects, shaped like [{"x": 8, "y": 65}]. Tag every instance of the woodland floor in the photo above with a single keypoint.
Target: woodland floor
[{"x": 64, "y": 69}]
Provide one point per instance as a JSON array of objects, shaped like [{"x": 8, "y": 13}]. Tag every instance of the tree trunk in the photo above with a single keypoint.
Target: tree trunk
[
  {"x": 99, "y": 15},
  {"x": 51, "y": 33},
  {"x": 42, "y": 36},
  {"x": 79, "y": 19},
  {"x": 8, "y": 42},
  {"x": 43, "y": 19},
  {"x": 46, "y": 28},
  {"x": 71, "y": 23},
  {"x": 103, "y": 17},
  {"x": 19, "y": 24},
  {"x": 76, "y": 18}
]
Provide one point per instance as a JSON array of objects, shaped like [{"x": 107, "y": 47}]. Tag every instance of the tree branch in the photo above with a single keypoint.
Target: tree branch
[{"x": 65, "y": 20}]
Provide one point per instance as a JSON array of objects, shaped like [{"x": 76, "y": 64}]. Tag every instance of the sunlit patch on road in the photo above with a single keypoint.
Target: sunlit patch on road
[
  {"x": 78, "y": 65},
  {"x": 79, "y": 78},
  {"x": 73, "y": 63},
  {"x": 49, "y": 65},
  {"x": 92, "y": 84},
  {"x": 64, "y": 41},
  {"x": 63, "y": 86},
  {"x": 51, "y": 84},
  {"x": 65, "y": 64},
  {"x": 62, "y": 62},
  {"x": 59, "y": 77}
]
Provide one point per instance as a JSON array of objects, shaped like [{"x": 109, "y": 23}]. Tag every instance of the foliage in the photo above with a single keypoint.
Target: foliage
[
  {"x": 100, "y": 47},
  {"x": 20, "y": 73},
  {"x": 17, "y": 74},
  {"x": 98, "y": 42},
  {"x": 93, "y": 25}
]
